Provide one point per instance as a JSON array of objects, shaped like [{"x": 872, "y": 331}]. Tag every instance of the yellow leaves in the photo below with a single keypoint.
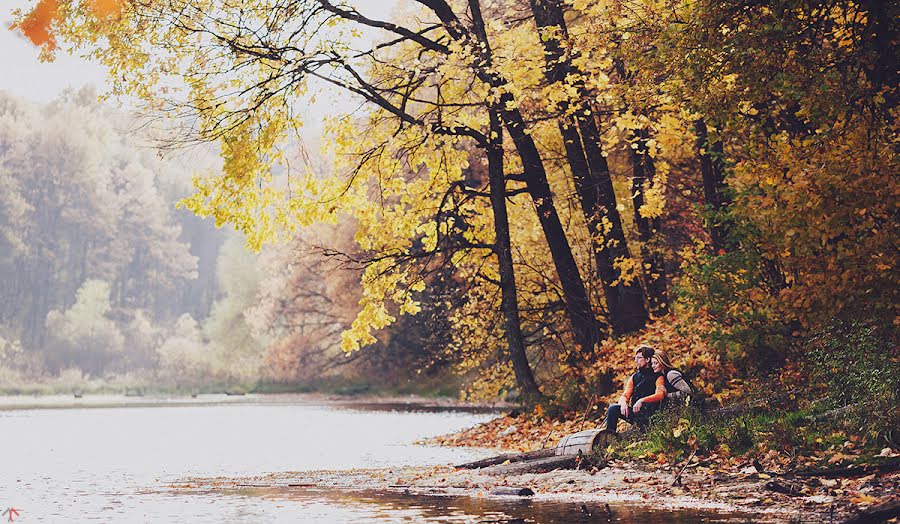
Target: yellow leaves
[
  {"x": 791, "y": 188},
  {"x": 410, "y": 185},
  {"x": 629, "y": 269},
  {"x": 746, "y": 107},
  {"x": 410, "y": 307},
  {"x": 372, "y": 317},
  {"x": 628, "y": 121},
  {"x": 605, "y": 226},
  {"x": 550, "y": 33},
  {"x": 730, "y": 80},
  {"x": 654, "y": 199},
  {"x": 680, "y": 428}
]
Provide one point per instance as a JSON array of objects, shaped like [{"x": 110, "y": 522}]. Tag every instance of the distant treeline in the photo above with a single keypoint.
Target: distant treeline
[{"x": 105, "y": 281}]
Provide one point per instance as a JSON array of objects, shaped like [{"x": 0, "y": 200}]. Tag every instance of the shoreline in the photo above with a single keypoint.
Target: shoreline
[
  {"x": 372, "y": 402},
  {"x": 618, "y": 484},
  {"x": 725, "y": 491},
  {"x": 706, "y": 485}
]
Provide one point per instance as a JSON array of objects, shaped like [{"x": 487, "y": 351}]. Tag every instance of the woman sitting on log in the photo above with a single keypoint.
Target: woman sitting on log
[{"x": 677, "y": 387}]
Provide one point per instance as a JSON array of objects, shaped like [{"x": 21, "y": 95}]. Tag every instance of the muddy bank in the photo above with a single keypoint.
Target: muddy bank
[{"x": 619, "y": 483}]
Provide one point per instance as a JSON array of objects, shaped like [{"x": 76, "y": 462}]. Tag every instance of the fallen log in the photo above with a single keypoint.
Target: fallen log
[
  {"x": 512, "y": 457},
  {"x": 785, "y": 488},
  {"x": 574, "y": 445},
  {"x": 878, "y": 513},
  {"x": 539, "y": 465},
  {"x": 512, "y": 491},
  {"x": 542, "y": 465},
  {"x": 851, "y": 471}
]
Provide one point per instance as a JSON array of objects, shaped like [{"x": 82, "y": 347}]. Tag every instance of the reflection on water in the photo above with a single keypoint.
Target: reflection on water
[
  {"x": 111, "y": 464},
  {"x": 317, "y": 505}
]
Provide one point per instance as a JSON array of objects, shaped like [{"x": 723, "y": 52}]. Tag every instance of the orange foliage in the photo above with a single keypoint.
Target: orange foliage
[
  {"x": 287, "y": 359},
  {"x": 689, "y": 349},
  {"x": 105, "y": 8},
  {"x": 37, "y": 25}
]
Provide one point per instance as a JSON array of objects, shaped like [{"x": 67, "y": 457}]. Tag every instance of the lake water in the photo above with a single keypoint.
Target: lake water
[{"x": 92, "y": 461}]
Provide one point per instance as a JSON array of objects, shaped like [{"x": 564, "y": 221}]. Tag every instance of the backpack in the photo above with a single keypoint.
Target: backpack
[{"x": 696, "y": 398}]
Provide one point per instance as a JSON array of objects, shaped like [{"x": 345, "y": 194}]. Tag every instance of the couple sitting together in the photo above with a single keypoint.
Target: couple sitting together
[{"x": 655, "y": 383}]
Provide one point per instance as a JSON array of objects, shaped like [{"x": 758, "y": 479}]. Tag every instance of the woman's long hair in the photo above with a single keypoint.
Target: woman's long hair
[{"x": 664, "y": 359}]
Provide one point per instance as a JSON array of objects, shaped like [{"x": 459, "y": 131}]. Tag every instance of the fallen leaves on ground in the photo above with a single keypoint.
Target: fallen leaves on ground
[{"x": 529, "y": 435}]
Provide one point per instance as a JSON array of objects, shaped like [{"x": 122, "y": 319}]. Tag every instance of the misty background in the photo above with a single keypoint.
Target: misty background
[{"x": 107, "y": 285}]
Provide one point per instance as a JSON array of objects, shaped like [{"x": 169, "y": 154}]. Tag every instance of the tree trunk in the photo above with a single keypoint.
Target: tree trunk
[
  {"x": 880, "y": 39},
  {"x": 509, "y": 300},
  {"x": 654, "y": 267},
  {"x": 631, "y": 314},
  {"x": 712, "y": 169},
  {"x": 582, "y": 178},
  {"x": 590, "y": 171},
  {"x": 585, "y": 327}
]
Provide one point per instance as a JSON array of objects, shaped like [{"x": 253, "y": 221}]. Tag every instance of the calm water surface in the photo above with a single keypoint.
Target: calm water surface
[{"x": 98, "y": 463}]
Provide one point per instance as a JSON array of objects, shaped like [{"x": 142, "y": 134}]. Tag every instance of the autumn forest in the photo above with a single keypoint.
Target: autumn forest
[{"x": 517, "y": 194}]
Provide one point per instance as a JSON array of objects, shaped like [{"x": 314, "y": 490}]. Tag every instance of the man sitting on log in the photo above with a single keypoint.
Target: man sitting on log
[{"x": 647, "y": 386}]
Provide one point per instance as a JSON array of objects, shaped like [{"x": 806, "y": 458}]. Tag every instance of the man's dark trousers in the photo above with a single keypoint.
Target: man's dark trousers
[{"x": 641, "y": 418}]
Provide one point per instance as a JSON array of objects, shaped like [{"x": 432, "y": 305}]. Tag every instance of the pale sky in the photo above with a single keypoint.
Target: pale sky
[{"x": 28, "y": 78}]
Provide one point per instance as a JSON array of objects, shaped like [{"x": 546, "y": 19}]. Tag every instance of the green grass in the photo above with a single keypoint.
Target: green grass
[{"x": 677, "y": 432}]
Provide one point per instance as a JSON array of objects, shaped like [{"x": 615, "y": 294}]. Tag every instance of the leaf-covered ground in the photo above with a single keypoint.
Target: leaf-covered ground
[{"x": 759, "y": 479}]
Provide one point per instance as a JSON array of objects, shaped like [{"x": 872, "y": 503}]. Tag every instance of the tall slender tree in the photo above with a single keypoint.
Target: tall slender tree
[{"x": 590, "y": 171}]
